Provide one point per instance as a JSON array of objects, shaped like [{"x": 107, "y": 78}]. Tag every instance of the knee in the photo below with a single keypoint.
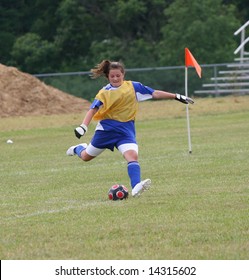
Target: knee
[
  {"x": 131, "y": 155},
  {"x": 85, "y": 157}
]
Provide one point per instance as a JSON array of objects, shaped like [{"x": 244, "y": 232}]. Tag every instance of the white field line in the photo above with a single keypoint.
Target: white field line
[
  {"x": 64, "y": 169},
  {"x": 59, "y": 210}
]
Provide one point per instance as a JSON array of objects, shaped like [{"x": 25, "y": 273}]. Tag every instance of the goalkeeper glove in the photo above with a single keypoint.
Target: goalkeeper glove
[
  {"x": 80, "y": 130},
  {"x": 184, "y": 99}
]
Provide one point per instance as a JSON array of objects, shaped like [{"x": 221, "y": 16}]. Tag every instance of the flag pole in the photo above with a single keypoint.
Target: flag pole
[
  {"x": 190, "y": 61},
  {"x": 187, "y": 111}
]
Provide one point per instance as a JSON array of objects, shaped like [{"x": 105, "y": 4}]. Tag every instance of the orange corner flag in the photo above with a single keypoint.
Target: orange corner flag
[{"x": 190, "y": 61}]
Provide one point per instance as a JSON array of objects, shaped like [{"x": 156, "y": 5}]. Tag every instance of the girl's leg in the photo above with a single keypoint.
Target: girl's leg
[
  {"x": 133, "y": 167},
  {"x": 85, "y": 156},
  {"x": 84, "y": 151},
  {"x": 130, "y": 153}
]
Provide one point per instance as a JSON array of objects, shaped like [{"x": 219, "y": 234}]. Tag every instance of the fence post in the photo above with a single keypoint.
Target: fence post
[{"x": 216, "y": 82}]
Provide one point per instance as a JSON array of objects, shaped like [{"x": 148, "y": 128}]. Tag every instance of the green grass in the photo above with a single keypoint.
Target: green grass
[{"x": 56, "y": 207}]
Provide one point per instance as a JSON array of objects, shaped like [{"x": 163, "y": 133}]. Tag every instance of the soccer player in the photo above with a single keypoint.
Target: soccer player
[{"x": 115, "y": 108}]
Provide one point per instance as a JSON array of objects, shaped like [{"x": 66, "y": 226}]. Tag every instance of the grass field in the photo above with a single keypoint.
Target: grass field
[{"x": 56, "y": 207}]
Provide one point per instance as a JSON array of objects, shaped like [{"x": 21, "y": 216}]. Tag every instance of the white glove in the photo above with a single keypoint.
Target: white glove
[
  {"x": 80, "y": 130},
  {"x": 184, "y": 99}
]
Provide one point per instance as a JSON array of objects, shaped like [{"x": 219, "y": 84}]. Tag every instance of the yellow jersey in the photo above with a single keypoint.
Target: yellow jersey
[{"x": 119, "y": 103}]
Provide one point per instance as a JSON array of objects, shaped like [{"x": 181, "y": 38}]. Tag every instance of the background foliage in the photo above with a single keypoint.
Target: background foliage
[{"x": 40, "y": 36}]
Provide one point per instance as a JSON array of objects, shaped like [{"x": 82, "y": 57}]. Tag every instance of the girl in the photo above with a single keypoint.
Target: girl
[{"x": 115, "y": 108}]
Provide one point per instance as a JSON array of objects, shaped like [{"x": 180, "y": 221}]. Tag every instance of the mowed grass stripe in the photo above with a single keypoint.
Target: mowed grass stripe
[{"x": 56, "y": 207}]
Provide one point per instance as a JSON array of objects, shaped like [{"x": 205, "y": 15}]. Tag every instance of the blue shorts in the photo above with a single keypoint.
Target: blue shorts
[{"x": 110, "y": 139}]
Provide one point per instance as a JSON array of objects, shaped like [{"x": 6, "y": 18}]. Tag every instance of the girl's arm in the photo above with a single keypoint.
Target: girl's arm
[
  {"x": 89, "y": 115},
  {"x": 82, "y": 129},
  {"x": 159, "y": 94}
]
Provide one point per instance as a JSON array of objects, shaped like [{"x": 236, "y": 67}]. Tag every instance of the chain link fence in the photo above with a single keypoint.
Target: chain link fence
[{"x": 170, "y": 79}]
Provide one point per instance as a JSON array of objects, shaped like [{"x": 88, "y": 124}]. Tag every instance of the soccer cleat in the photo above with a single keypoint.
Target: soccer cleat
[
  {"x": 70, "y": 151},
  {"x": 141, "y": 187}
]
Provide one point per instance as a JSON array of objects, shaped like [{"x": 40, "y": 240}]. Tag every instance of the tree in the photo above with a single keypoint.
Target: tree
[
  {"x": 205, "y": 27},
  {"x": 45, "y": 22},
  {"x": 242, "y": 8},
  {"x": 133, "y": 32},
  {"x": 9, "y": 24},
  {"x": 73, "y": 35},
  {"x": 33, "y": 54}
]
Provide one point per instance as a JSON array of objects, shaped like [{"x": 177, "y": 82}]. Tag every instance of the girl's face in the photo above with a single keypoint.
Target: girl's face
[{"x": 116, "y": 77}]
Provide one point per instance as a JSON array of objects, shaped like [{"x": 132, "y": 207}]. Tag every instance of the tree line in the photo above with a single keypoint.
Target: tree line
[{"x": 42, "y": 36}]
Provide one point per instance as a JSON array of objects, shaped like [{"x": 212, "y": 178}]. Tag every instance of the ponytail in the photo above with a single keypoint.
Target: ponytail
[{"x": 104, "y": 67}]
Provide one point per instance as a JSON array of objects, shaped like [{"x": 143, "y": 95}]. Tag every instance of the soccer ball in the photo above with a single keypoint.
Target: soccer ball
[{"x": 118, "y": 192}]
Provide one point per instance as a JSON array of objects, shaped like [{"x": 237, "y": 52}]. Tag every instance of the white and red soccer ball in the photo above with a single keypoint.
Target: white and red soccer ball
[{"x": 118, "y": 192}]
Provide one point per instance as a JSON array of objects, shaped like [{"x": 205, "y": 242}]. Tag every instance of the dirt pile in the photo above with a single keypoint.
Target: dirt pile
[{"x": 22, "y": 94}]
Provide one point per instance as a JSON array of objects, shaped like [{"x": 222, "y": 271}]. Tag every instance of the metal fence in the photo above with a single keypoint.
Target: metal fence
[{"x": 171, "y": 78}]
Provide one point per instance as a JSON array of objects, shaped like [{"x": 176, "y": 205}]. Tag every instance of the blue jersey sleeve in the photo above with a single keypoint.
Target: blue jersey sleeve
[
  {"x": 142, "y": 92},
  {"x": 96, "y": 104}
]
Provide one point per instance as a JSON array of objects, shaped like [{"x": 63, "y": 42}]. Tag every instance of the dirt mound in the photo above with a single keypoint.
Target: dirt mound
[{"x": 22, "y": 94}]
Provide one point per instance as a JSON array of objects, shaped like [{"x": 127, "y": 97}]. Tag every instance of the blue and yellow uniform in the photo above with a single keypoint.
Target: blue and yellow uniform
[{"x": 117, "y": 110}]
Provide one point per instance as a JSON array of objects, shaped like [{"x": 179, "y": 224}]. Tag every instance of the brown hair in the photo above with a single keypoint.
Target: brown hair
[{"x": 104, "y": 67}]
